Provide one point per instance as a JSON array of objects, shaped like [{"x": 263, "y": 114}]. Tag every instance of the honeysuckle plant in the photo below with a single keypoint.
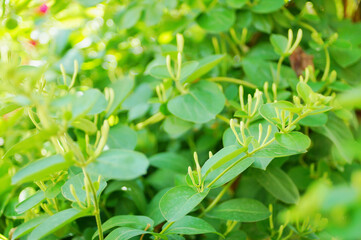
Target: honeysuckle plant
[{"x": 179, "y": 120}]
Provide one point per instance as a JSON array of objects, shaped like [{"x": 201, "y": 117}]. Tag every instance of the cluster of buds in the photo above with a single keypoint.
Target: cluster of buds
[
  {"x": 244, "y": 141},
  {"x": 274, "y": 91},
  {"x": 196, "y": 176},
  {"x": 180, "y": 45},
  {"x": 161, "y": 93},
  {"x": 251, "y": 109}
]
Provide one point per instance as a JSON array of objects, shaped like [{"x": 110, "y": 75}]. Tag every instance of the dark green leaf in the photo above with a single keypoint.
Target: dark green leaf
[
  {"x": 278, "y": 183},
  {"x": 241, "y": 210}
]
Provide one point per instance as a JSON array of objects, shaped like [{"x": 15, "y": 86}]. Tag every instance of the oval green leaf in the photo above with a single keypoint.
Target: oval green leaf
[
  {"x": 201, "y": 104},
  {"x": 241, "y": 210}
]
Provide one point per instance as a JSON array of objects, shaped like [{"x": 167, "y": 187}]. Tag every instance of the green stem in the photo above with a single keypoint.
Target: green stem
[
  {"x": 165, "y": 229},
  {"x": 232, "y": 80},
  {"x": 96, "y": 204},
  {"x": 218, "y": 198},
  {"x": 327, "y": 66},
  {"x": 279, "y": 65}
]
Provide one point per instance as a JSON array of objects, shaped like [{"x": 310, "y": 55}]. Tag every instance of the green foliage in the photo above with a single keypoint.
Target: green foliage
[{"x": 104, "y": 103}]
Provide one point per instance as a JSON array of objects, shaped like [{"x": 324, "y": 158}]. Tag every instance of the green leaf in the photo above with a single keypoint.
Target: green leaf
[
  {"x": 161, "y": 71},
  {"x": 220, "y": 158},
  {"x": 90, "y": 102},
  {"x": 124, "y": 233},
  {"x": 231, "y": 173},
  {"x": 78, "y": 182},
  {"x": 153, "y": 210},
  {"x": 55, "y": 222},
  {"x": 294, "y": 140},
  {"x": 40, "y": 169},
  {"x": 170, "y": 161},
  {"x": 30, "y": 142},
  {"x": 217, "y": 19},
  {"x": 30, "y": 202},
  {"x": 121, "y": 89},
  {"x": 340, "y": 135},
  {"x": 28, "y": 226},
  {"x": 277, "y": 183},
  {"x": 201, "y": 104},
  {"x": 122, "y": 137},
  {"x": 236, "y": 3},
  {"x": 53, "y": 190},
  {"x": 131, "y": 16},
  {"x": 259, "y": 71},
  {"x": 263, "y": 23},
  {"x": 189, "y": 225},
  {"x": 240, "y": 210},
  {"x": 120, "y": 164},
  {"x": 176, "y": 127},
  {"x": 275, "y": 150},
  {"x": 344, "y": 54},
  {"x": 179, "y": 201},
  {"x": 85, "y": 125},
  {"x": 279, "y": 43},
  {"x": 204, "y": 66},
  {"x": 131, "y": 221},
  {"x": 89, "y": 3},
  {"x": 266, "y": 6}
]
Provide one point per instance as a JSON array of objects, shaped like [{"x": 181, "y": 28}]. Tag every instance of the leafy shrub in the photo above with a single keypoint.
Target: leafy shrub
[{"x": 129, "y": 120}]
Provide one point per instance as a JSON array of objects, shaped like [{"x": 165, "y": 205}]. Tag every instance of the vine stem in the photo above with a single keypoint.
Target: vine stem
[{"x": 232, "y": 80}]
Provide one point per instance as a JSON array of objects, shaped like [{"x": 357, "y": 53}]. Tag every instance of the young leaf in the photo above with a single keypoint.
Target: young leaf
[
  {"x": 179, "y": 201},
  {"x": 294, "y": 140},
  {"x": 189, "y": 225},
  {"x": 203, "y": 102},
  {"x": 278, "y": 183},
  {"x": 120, "y": 164},
  {"x": 40, "y": 169},
  {"x": 28, "y": 226},
  {"x": 30, "y": 202},
  {"x": 241, "y": 210},
  {"x": 55, "y": 222}
]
